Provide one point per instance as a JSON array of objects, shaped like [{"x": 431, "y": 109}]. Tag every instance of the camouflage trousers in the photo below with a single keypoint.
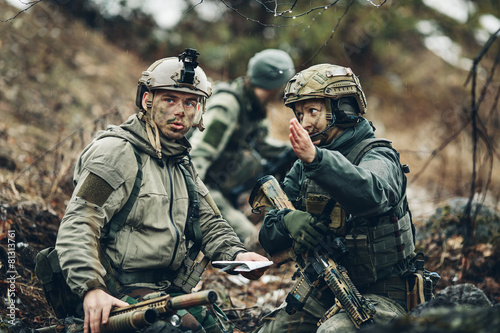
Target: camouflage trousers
[
  {"x": 279, "y": 321},
  {"x": 194, "y": 320}
]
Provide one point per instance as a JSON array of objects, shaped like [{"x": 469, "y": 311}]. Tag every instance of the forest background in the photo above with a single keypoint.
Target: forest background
[{"x": 429, "y": 71}]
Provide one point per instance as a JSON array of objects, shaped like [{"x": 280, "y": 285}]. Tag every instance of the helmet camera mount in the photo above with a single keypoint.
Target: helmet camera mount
[{"x": 189, "y": 60}]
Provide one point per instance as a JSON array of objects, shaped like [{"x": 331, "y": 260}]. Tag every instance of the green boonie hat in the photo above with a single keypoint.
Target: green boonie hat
[{"x": 270, "y": 69}]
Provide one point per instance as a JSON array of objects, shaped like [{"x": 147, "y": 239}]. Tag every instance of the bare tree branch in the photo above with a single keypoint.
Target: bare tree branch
[
  {"x": 30, "y": 4},
  {"x": 469, "y": 219},
  {"x": 331, "y": 35}
]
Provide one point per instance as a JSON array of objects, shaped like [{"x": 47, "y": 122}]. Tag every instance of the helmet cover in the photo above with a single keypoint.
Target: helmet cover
[{"x": 325, "y": 81}]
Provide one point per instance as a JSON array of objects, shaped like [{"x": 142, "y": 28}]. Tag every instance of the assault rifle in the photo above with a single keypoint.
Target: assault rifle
[
  {"x": 276, "y": 165},
  {"x": 314, "y": 264},
  {"x": 143, "y": 314}
]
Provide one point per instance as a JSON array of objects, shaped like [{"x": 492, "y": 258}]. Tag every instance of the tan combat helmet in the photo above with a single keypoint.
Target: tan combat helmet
[
  {"x": 179, "y": 74},
  {"x": 344, "y": 97}
]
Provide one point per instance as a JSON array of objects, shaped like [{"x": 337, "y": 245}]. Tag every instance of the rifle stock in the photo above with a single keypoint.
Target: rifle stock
[
  {"x": 137, "y": 316},
  {"x": 312, "y": 265}
]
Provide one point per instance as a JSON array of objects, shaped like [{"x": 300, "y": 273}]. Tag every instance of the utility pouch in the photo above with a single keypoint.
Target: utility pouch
[
  {"x": 359, "y": 260},
  {"x": 57, "y": 292},
  {"x": 297, "y": 297},
  {"x": 414, "y": 291},
  {"x": 421, "y": 284},
  {"x": 190, "y": 273},
  {"x": 322, "y": 204}
]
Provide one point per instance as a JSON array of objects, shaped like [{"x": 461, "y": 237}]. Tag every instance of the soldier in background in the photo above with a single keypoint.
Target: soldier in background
[{"x": 235, "y": 143}]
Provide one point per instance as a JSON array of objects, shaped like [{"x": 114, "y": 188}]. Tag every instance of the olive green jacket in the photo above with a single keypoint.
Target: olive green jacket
[{"x": 153, "y": 236}]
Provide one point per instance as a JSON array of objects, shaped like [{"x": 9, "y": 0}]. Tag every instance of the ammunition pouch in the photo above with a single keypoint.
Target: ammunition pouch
[
  {"x": 57, "y": 292},
  {"x": 190, "y": 273},
  {"x": 359, "y": 261},
  {"x": 323, "y": 205},
  {"x": 415, "y": 291},
  {"x": 420, "y": 288}
]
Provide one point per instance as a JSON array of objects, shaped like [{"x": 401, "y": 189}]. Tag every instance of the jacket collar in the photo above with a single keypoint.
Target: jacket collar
[
  {"x": 134, "y": 131},
  {"x": 351, "y": 136}
]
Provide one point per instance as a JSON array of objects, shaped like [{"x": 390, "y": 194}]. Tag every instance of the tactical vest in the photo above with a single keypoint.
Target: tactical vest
[
  {"x": 239, "y": 160},
  {"x": 374, "y": 243},
  {"x": 190, "y": 272}
]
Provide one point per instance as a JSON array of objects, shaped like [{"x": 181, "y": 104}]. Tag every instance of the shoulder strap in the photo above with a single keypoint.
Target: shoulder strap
[
  {"x": 118, "y": 220},
  {"x": 227, "y": 88},
  {"x": 356, "y": 154},
  {"x": 193, "y": 229}
]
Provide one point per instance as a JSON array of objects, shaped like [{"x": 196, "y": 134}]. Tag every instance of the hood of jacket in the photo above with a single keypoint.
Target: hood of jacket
[
  {"x": 134, "y": 131},
  {"x": 351, "y": 136}
]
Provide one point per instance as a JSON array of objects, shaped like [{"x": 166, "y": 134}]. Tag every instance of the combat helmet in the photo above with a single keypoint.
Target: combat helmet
[
  {"x": 174, "y": 73},
  {"x": 344, "y": 97},
  {"x": 270, "y": 69}
]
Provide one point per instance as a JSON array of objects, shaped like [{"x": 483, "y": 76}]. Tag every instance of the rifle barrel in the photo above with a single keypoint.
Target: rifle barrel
[
  {"x": 192, "y": 300},
  {"x": 131, "y": 321}
]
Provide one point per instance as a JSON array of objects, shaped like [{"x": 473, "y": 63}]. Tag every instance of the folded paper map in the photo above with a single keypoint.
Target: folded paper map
[{"x": 240, "y": 266}]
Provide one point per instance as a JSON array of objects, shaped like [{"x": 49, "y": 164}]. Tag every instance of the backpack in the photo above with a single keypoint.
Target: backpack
[{"x": 48, "y": 270}]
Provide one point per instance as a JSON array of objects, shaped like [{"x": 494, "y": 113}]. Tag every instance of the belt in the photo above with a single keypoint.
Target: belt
[
  {"x": 145, "y": 276},
  {"x": 393, "y": 287}
]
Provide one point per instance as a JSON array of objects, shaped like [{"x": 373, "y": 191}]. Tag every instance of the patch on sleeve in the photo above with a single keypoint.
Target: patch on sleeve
[
  {"x": 214, "y": 133},
  {"x": 212, "y": 204},
  {"x": 94, "y": 189}
]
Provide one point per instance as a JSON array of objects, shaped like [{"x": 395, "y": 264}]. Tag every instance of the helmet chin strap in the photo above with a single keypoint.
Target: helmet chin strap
[
  {"x": 339, "y": 113},
  {"x": 325, "y": 134},
  {"x": 151, "y": 128}
]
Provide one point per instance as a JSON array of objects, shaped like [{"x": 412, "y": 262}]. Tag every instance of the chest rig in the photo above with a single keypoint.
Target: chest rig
[
  {"x": 189, "y": 274},
  {"x": 374, "y": 243}
]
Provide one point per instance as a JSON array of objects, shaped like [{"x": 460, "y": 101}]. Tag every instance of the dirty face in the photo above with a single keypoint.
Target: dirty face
[
  {"x": 173, "y": 112},
  {"x": 311, "y": 114}
]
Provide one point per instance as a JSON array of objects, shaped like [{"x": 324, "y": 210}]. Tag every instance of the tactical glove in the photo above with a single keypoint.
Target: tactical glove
[{"x": 304, "y": 229}]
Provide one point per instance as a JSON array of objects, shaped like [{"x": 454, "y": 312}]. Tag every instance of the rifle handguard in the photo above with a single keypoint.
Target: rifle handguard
[{"x": 268, "y": 193}]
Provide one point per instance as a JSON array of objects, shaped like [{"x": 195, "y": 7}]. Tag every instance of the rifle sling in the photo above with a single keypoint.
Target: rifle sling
[
  {"x": 193, "y": 232},
  {"x": 118, "y": 220},
  {"x": 193, "y": 229}
]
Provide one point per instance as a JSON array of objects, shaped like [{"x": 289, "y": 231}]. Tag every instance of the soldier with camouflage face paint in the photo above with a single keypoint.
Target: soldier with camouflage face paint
[
  {"x": 173, "y": 219},
  {"x": 235, "y": 144},
  {"x": 346, "y": 185}
]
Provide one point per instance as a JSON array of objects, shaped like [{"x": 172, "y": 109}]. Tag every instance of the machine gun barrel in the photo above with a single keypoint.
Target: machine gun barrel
[
  {"x": 131, "y": 321},
  {"x": 140, "y": 315}
]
